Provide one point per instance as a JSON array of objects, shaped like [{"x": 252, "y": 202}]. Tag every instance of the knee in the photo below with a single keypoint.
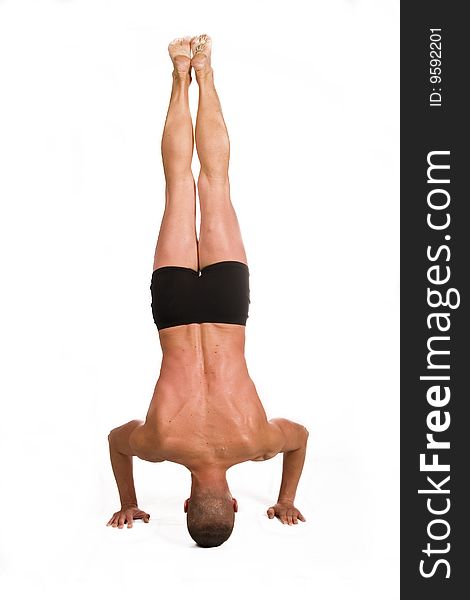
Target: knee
[{"x": 213, "y": 179}]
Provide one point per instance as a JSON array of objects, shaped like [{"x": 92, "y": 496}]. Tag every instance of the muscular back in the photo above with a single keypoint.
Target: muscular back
[{"x": 205, "y": 407}]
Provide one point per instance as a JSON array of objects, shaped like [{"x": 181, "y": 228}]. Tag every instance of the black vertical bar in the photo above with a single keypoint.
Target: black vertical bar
[{"x": 426, "y": 126}]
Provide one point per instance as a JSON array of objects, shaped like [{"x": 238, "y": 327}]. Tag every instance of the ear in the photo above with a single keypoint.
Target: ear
[
  {"x": 235, "y": 505},
  {"x": 186, "y": 502}
]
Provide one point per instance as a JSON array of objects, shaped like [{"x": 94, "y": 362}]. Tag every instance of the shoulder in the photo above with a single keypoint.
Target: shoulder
[
  {"x": 289, "y": 434},
  {"x": 281, "y": 435},
  {"x": 144, "y": 446}
]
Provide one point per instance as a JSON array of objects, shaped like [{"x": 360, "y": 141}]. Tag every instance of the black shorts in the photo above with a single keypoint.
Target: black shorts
[{"x": 219, "y": 293}]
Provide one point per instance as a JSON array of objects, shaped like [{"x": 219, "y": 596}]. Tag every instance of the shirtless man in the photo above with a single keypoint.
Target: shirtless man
[{"x": 205, "y": 412}]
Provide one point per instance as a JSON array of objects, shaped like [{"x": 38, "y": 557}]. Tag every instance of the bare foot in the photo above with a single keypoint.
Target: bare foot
[
  {"x": 180, "y": 54},
  {"x": 201, "y": 47}
]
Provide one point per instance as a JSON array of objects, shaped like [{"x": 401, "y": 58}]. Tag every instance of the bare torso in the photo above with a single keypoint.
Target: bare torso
[{"x": 205, "y": 408}]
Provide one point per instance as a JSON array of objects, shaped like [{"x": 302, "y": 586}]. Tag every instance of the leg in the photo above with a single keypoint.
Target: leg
[
  {"x": 220, "y": 237},
  {"x": 177, "y": 241}
]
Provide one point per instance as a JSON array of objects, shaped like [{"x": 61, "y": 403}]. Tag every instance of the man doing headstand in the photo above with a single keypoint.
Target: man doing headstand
[{"x": 205, "y": 412}]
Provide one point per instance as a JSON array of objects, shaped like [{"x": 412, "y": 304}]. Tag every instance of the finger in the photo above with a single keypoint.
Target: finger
[
  {"x": 301, "y": 518},
  {"x": 146, "y": 518},
  {"x": 294, "y": 519},
  {"x": 130, "y": 521},
  {"x": 270, "y": 512},
  {"x": 121, "y": 521},
  {"x": 289, "y": 519}
]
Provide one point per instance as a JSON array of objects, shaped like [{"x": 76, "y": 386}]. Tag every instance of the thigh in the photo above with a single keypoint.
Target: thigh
[
  {"x": 177, "y": 240},
  {"x": 220, "y": 237}
]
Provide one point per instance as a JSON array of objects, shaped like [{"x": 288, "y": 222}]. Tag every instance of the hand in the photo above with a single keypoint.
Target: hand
[
  {"x": 127, "y": 515},
  {"x": 286, "y": 512}
]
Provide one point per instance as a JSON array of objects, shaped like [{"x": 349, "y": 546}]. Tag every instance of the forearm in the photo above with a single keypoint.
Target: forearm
[
  {"x": 292, "y": 465},
  {"x": 123, "y": 473}
]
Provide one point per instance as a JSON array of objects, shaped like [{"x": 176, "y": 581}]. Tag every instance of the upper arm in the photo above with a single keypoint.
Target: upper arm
[
  {"x": 292, "y": 435},
  {"x": 123, "y": 438}
]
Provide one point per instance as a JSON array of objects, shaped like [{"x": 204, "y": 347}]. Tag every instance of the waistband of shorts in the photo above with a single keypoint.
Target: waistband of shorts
[
  {"x": 221, "y": 264},
  {"x": 225, "y": 263},
  {"x": 174, "y": 268}
]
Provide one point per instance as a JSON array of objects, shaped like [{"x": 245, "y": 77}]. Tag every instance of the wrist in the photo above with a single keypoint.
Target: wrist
[
  {"x": 126, "y": 505},
  {"x": 285, "y": 500}
]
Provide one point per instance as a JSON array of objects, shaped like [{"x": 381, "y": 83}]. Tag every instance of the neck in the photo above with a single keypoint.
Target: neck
[{"x": 209, "y": 478}]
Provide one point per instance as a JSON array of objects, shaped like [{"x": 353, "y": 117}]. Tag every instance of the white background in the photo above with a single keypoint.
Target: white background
[{"x": 310, "y": 95}]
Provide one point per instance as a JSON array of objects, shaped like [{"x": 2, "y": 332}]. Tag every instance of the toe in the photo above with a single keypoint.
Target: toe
[{"x": 199, "y": 41}]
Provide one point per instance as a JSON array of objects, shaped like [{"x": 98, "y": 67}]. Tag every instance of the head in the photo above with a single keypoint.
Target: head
[{"x": 210, "y": 514}]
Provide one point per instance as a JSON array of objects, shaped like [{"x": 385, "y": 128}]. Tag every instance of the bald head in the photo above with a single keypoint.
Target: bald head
[{"x": 210, "y": 518}]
